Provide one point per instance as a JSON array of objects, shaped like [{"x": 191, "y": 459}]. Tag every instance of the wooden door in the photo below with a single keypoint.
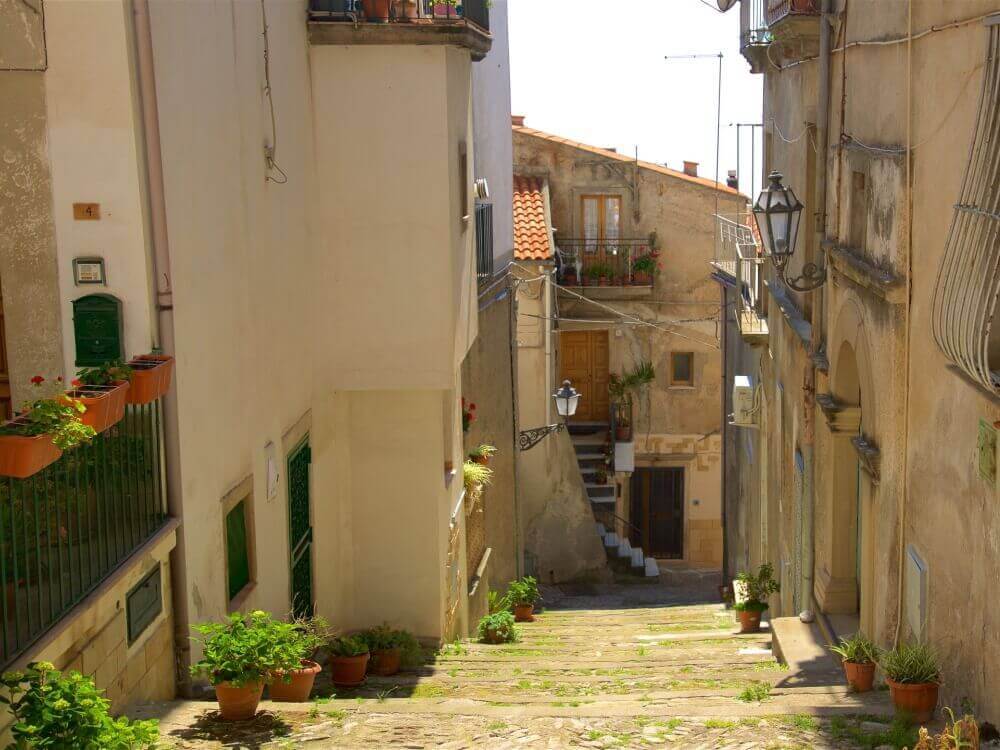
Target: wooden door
[
  {"x": 5, "y": 403},
  {"x": 583, "y": 360},
  {"x": 658, "y": 511}
]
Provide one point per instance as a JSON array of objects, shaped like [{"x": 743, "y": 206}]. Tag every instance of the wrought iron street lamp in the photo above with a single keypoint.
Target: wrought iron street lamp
[
  {"x": 778, "y": 213},
  {"x": 567, "y": 398}
]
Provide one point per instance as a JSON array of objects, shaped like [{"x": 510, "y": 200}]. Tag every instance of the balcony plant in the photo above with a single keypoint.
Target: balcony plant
[
  {"x": 296, "y": 643},
  {"x": 150, "y": 377},
  {"x": 644, "y": 267},
  {"x": 349, "y": 657},
  {"x": 38, "y": 436},
  {"x": 476, "y": 476},
  {"x": 66, "y": 710},
  {"x": 481, "y": 455},
  {"x": 103, "y": 391},
  {"x": 859, "y": 656},
  {"x": 498, "y": 627},
  {"x": 376, "y": 11},
  {"x": 600, "y": 272},
  {"x": 238, "y": 656},
  {"x": 914, "y": 678},
  {"x": 569, "y": 276},
  {"x": 468, "y": 415},
  {"x": 523, "y": 594},
  {"x": 756, "y": 589}
]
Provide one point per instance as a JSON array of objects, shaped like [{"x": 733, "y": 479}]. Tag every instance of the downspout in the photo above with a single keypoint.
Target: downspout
[
  {"x": 161, "y": 321},
  {"x": 724, "y": 315},
  {"x": 547, "y": 302},
  {"x": 512, "y": 343},
  {"x": 809, "y": 386}
]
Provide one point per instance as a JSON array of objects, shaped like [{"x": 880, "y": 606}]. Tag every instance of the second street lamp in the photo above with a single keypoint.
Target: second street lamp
[{"x": 778, "y": 212}]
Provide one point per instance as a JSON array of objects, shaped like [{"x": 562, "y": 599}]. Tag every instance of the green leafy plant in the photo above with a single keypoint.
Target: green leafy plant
[
  {"x": 297, "y": 641},
  {"x": 57, "y": 416},
  {"x": 599, "y": 270},
  {"x": 958, "y": 734},
  {"x": 523, "y": 591},
  {"x": 857, "y": 649},
  {"x": 498, "y": 628},
  {"x": 62, "y": 711},
  {"x": 246, "y": 648},
  {"x": 110, "y": 372},
  {"x": 382, "y": 637},
  {"x": 348, "y": 645},
  {"x": 482, "y": 451},
  {"x": 498, "y": 602},
  {"x": 755, "y": 692},
  {"x": 758, "y": 589},
  {"x": 648, "y": 263},
  {"x": 476, "y": 475},
  {"x": 911, "y": 664}
]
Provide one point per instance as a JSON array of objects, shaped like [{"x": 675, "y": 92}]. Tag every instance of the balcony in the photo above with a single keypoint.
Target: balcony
[
  {"x": 740, "y": 258},
  {"x": 388, "y": 22},
  {"x": 66, "y": 529},
  {"x": 794, "y": 29},
  {"x": 608, "y": 269},
  {"x": 754, "y": 34}
]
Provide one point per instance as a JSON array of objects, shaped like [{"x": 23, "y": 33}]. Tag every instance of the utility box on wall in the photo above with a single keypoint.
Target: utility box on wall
[{"x": 97, "y": 329}]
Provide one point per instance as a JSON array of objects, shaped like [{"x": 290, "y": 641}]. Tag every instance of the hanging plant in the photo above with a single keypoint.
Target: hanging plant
[{"x": 468, "y": 415}]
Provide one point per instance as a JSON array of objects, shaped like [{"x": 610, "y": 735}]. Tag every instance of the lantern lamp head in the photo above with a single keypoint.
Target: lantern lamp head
[
  {"x": 777, "y": 212},
  {"x": 567, "y": 399}
]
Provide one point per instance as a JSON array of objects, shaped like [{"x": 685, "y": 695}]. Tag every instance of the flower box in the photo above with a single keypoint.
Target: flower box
[
  {"x": 105, "y": 403},
  {"x": 151, "y": 375},
  {"x": 22, "y": 456}
]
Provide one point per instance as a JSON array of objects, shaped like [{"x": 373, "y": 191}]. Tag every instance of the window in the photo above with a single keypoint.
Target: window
[
  {"x": 682, "y": 368},
  {"x": 600, "y": 219},
  {"x": 484, "y": 241},
  {"x": 238, "y": 538}
]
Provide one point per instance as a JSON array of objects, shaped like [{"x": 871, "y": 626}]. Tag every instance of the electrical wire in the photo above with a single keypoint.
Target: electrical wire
[{"x": 272, "y": 149}]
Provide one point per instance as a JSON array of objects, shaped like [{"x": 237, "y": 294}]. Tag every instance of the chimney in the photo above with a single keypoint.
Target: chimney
[
  {"x": 612, "y": 149},
  {"x": 517, "y": 120},
  {"x": 733, "y": 180},
  {"x": 691, "y": 168}
]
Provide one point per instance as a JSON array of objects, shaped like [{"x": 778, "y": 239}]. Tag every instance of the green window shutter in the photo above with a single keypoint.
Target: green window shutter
[{"x": 237, "y": 552}]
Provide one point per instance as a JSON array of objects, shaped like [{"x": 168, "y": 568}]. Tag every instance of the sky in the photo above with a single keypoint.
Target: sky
[{"x": 594, "y": 71}]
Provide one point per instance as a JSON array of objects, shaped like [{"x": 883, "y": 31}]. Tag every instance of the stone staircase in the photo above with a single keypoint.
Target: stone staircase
[{"x": 589, "y": 441}]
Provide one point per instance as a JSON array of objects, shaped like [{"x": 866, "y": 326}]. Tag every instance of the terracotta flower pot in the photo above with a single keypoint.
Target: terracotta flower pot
[
  {"x": 640, "y": 278},
  {"x": 20, "y": 457},
  {"x": 294, "y": 686},
  {"x": 603, "y": 281},
  {"x": 749, "y": 620},
  {"x": 623, "y": 434},
  {"x": 859, "y": 676},
  {"x": 524, "y": 613},
  {"x": 919, "y": 701},
  {"x": 481, "y": 460},
  {"x": 405, "y": 10},
  {"x": 349, "y": 671},
  {"x": 151, "y": 375},
  {"x": 238, "y": 703},
  {"x": 105, "y": 404},
  {"x": 376, "y": 11},
  {"x": 385, "y": 661}
]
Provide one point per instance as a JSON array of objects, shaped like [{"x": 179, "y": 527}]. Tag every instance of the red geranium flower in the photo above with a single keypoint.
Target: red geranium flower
[
  {"x": 59, "y": 379},
  {"x": 77, "y": 382},
  {"x": 37, "y": 380},
  {"x": 472, "y": 407}
]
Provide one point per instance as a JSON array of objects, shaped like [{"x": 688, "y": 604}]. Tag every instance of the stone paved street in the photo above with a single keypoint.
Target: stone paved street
[{"x": 639, "y": 666}]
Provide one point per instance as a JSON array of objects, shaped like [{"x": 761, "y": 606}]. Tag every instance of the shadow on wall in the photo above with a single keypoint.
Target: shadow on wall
[{"x": 560, "y": 532}]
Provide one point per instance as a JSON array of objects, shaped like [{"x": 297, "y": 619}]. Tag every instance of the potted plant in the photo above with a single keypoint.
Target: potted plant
[
  {"x": 859, "y": 656},
  {"x": 468, "y": 415},
  {"x": 569, "y": 277},
  {"x": 643, "y": 269},
  {"x": 38, "y": 436},
  {"x": 376, "y": 11},
  {"x": 621, "y": 389},
  {"x": 497, "y": 627},
  {"x": 523, "y": 594},
  {"x": 476, "y": 476},
  {"x": 103, "y": 391},
  {"x": 296, "y": 643},
  {"x": 756, "y": 590},
  {"x": 914, "y": 678},
  {"x": 481, "y": 455},
  {"x": 405, "y": 10},
  {"x": 238, "y": 655},
  {"x": 390, "y": 649},
  {"x": 601, "y": 475},
  {"x": 52, "y": 709},
  {"x": 348, "y": 660},
  {"x": 150, "y": 377}
]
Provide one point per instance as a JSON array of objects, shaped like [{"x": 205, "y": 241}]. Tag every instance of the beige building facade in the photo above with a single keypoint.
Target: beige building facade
[{"x": 867, "y": 470}]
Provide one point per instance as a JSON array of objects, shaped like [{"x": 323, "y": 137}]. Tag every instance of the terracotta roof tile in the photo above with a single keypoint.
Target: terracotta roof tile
[
  {"x": 531, "y": 229},
  {"x": 721, "y": 187}
]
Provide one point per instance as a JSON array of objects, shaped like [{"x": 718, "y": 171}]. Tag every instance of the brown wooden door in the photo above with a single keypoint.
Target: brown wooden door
[
  {"x": 583, "y": 359},
  {"x": 5, "y": 403},
  {"x": 657, "y": 501}
]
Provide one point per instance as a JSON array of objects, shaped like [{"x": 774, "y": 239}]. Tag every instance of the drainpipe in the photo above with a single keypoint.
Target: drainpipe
[
  {"x": 547, "y": 302},
  {"x": 162, "y": 322},
  {"x": 809, "y": 384},
  {"x": 724, "y": 315}
]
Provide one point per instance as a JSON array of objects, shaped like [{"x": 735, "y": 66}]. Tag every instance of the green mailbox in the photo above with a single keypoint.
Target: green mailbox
[{"x": 97, "y": 329}]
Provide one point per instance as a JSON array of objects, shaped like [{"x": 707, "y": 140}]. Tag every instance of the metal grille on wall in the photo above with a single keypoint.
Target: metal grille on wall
[
  {"x": 484, "y": 242},
  {"x": 968, "y": 283}
]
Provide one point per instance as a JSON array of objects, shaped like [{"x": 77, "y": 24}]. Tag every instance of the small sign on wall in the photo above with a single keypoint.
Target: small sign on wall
[
  {"x": 87, "y": 211},
  {"x": 88, "y": 271}
]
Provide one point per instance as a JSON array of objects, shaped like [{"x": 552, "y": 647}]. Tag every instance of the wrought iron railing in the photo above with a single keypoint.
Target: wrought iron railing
[
  {"x": 750, "y": 291},
  {"x": 613, "y": 262},
  {"x": 418, "y": 11},
  {"x": 484, "y": 242},
  {"x": 65, "y": 529},
  {"x": 778, "y": 10},
  {"x": 753, "y": 24}
]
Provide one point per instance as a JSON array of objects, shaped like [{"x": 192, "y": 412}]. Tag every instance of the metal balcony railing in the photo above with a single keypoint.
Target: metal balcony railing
[
  {"x": 612, "y": 262},
  {"x": 753, "y": 24},
  {"x": 750, "y": 312},
  {"x": 778, "y": 10},
  {"x": 402, "y": 11},
  {"x": 68, "y": 527}
]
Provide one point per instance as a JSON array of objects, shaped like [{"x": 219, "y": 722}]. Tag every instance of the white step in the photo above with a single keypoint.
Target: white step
[
  {"x": 601, "y": 531},
  {"x": 611, "y": 539},
  {"x": 652, "y": 569},
  {"x": 602, "y": 499},
  {"x": 624, "y": 548},
  {"x": 638, "y": 559}
]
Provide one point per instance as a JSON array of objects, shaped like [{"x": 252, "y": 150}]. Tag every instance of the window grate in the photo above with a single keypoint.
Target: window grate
[
  {"x": 484, "y": 242},
  {"x": 968, "y": 283}
]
